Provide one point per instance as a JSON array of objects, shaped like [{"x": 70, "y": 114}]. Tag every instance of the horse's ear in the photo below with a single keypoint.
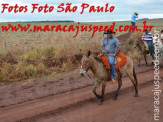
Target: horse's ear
[
  {"x": 98, "y": 59},
  {"x": 80, "y": 50},
  {"x": 89, "y": 53}
]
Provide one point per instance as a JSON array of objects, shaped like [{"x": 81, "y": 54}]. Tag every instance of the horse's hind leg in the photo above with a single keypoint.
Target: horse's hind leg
[
  {"x": 152, "y": 57},
  {"x": 135, "y": 85},
  {"x": 139, "y": 62},
  {"x": 131, "y": 74},
  {"x": 102, "y": 92}
]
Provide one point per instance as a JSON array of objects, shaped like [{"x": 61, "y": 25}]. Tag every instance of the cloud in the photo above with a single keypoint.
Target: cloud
[
  {"x": 142, "y": 2},
  {"x": 151, "y": 16}
]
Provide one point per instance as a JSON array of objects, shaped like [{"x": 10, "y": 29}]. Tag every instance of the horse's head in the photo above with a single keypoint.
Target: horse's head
[
  {"x": 155, "y": 37},
  {"x": 85, "y": 63},
  {"x": 137, "y": 42}
]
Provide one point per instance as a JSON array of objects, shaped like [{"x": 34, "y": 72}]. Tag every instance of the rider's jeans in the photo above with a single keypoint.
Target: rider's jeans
[
  {"x": 112, "y": 66},
  {"x": 150, "y": 46}
]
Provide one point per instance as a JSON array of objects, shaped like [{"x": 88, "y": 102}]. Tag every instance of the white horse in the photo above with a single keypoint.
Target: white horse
[{"x": 158, "y": 44}]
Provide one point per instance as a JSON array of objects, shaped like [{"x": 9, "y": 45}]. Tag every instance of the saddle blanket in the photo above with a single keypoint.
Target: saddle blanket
[{"x": 121, "y": 58}]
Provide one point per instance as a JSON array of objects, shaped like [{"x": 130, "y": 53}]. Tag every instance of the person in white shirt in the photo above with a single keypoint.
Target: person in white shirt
[{"x": 148, "y": 37}]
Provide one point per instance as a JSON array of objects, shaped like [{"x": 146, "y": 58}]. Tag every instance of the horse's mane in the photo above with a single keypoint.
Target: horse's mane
[{"x": 96, "y": 58}]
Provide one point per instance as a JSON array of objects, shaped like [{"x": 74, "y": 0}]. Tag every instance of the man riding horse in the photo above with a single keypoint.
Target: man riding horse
[
  {"x": 99, "y": 65},
  {"x": 148, "y": 38},
  {"x": 110, "y": 46}
]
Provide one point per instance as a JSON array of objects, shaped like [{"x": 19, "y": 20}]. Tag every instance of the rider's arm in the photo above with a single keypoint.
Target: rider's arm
[
  {"x": 118, "y": 49},
  {"x": 102, "y": 48}
]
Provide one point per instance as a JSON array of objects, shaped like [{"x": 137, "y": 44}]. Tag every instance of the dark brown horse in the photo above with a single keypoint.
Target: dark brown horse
[{"x": 101, "y": 74}]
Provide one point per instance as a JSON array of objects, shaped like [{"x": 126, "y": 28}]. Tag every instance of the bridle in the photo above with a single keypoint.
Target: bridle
[{"x": 86, "y": 69}]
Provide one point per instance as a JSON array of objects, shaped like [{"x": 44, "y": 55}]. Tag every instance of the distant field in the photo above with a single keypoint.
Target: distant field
[{"x": 60, "y": 40}]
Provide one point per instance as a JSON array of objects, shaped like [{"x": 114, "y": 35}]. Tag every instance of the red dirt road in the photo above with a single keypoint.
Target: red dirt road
[
  {"x": 126, "y": 109},
  {"x": 81, "y": 105}
]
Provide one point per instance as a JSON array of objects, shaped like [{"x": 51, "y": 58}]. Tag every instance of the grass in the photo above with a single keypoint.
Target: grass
[{"x": 38, "y": 52}]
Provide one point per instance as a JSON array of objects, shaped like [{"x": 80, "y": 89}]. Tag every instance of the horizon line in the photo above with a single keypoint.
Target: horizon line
[{"x": 79, "y": 21}]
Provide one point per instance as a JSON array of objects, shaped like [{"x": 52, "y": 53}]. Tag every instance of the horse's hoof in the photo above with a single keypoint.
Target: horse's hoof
[
  {"x": 99, "y": 97},
  {"x": 101, "y": 101},
  {"x": 136, "y": 95}
]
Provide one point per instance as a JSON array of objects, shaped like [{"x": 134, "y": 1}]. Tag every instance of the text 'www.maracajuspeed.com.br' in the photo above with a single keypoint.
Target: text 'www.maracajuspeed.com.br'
[{"x": 76, "y": 27}]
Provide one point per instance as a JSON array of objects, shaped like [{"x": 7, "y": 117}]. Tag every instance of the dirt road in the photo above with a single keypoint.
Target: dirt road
[
  {"x": 78, "y": 102},
  {"x": 126, "y": 109}
]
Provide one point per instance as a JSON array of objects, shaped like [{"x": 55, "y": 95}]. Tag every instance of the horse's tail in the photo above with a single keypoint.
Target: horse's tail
[{"x": 137, "y": 85}]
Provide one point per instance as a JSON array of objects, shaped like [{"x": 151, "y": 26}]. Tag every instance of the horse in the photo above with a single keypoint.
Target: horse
[
  {"x": 158, "y": 44},
  {"x": 140, "y": 45},
  {"x": 101, "y": 74}
]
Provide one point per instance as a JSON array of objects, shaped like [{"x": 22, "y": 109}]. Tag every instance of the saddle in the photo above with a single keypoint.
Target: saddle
[{"x": 119, "y": 61}]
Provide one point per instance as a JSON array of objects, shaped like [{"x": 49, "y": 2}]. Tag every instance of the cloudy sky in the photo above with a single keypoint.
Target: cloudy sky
[{"x": 123, "y": 10}]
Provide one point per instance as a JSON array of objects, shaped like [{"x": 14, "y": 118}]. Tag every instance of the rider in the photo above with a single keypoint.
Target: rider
[
  {"x": 110, "y": 46},
  {"x": 148, "y": 37}
]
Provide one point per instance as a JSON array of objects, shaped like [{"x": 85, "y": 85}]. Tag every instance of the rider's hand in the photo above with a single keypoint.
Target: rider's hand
[
  {"x": 104, "y": 51},
  {"x": 111, "y": 54}
]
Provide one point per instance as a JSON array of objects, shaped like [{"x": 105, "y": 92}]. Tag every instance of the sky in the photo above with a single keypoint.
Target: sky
[{"x": 122, "y": 11}]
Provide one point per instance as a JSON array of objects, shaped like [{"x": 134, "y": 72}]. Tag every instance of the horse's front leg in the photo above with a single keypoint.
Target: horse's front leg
[
  {"x": 103, "y": 91},
  {"x": 97, "y": 84},
  {"x": 145, "y": 60},
  {"x": 119, "y": 86}
]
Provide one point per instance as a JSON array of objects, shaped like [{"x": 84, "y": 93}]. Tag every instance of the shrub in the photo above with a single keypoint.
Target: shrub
[
  {"x": 48, "y": 52},
  {"x": 33, "y": 54},
  {"x": 31, "y": 71},
  {"x": 41, "y": 68}
]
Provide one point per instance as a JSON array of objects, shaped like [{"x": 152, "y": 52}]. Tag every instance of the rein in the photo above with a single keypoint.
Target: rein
[
  {"x": 140, "y": 44},
  {"x": 90, "y": 77}
]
